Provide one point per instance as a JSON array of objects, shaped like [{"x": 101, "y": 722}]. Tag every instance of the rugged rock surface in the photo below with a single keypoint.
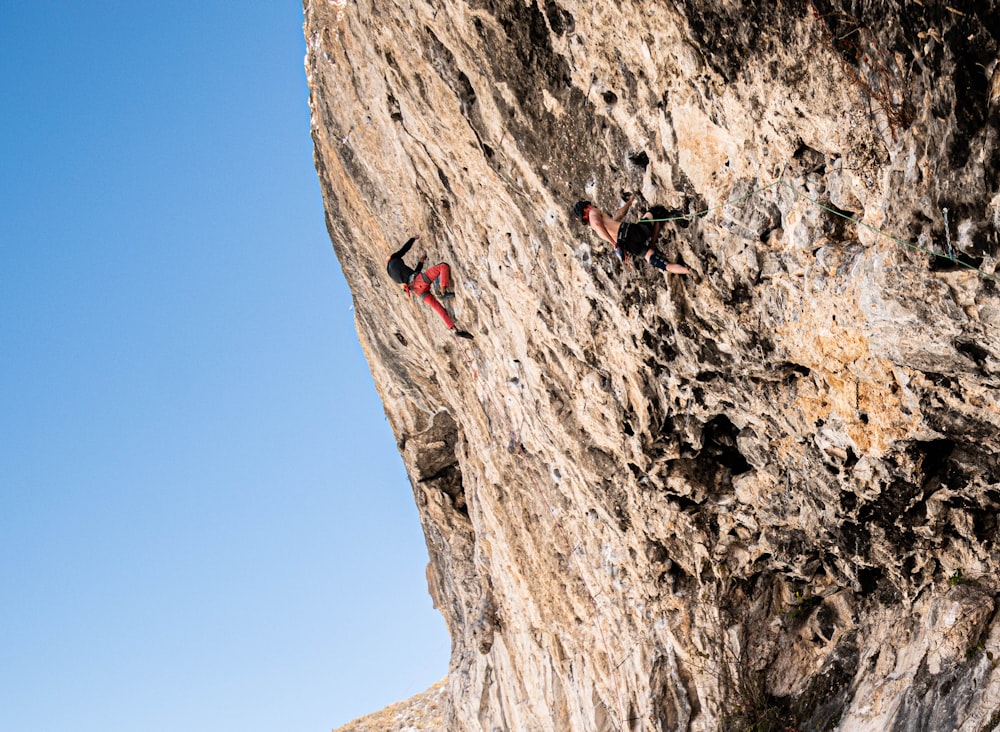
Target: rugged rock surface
[{"x": 763, "y": 495}]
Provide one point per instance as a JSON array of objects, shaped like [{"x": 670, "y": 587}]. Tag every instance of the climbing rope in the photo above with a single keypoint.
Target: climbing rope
[
  {"x": 705, "y": 212},
  {"x": 949, "y": 255}
]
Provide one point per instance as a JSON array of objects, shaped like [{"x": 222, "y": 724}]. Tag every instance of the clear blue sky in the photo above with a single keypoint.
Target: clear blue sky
[{"x": 204, "y": 523}]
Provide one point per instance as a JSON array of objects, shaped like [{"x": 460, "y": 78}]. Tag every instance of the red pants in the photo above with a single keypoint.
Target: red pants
[{"x": 421, "y": 287}]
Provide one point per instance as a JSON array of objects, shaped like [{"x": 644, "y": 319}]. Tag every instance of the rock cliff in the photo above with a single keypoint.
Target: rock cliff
[{"x": 765, "y": 494}]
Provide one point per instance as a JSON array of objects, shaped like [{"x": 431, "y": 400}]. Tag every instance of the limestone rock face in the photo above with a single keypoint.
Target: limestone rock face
[{"x": 765, "y": 493}]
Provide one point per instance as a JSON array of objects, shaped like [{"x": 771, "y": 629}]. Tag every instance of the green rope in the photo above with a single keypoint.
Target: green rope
[
  {"x": 902, "y": 242},
  {"x": 890, "y": 237},
  {"x": 705, "y": 212}
]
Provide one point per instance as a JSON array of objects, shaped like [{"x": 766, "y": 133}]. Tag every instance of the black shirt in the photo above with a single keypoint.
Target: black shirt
[{"x": 397, "y": 268}]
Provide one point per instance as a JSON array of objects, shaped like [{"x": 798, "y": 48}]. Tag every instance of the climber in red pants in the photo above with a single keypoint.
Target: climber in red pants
[{"x": 419, "y": 283}]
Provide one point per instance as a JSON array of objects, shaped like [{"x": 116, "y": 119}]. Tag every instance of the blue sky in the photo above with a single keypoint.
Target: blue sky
[{"x": 204, "y": 523}]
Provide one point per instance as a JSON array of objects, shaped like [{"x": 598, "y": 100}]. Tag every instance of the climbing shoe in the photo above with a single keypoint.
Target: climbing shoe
[
  {"x": 463, "y": 334},
  {"x": 445, "y": 294}
]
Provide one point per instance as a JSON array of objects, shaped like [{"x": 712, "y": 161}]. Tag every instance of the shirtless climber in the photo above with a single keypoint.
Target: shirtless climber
[
  {"x": 637, "y": 240},
  {"x": 419, "y": 283}
]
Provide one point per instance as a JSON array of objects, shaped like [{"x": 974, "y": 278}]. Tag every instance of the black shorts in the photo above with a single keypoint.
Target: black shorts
[{"x": 634, "y": 238}]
